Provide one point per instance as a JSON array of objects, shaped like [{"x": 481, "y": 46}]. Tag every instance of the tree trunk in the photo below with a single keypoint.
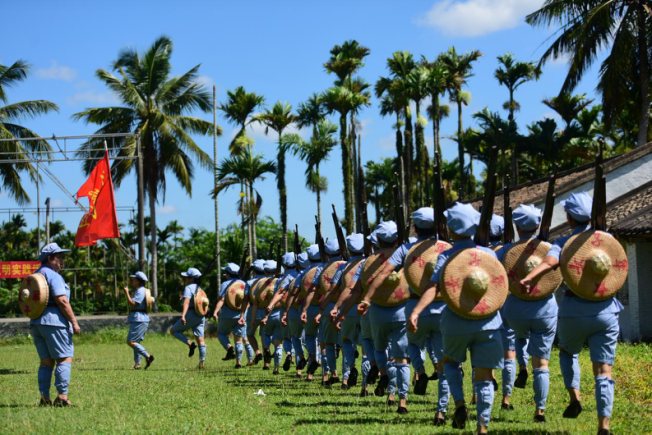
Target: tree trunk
[
  {"x": 644, "y": 118},
  {"x": 253, "y": 219},
  {"x": 399, "y": 138},
  {"x": 247, "y": 212},
  {"x": 514, "y": 150},
  {"x": 282, "y": 192},
  {"x": 346, "y": 172},
  {"x": 377, "y": 206},
  {"x": 460, "y": 149},
  {"x": 152, "y": 216},
  {"x": 354, "y": 171},
  {"x": 408, "y": 159},
  {"x": 318, "y": 190},
  {"x": 435, "y": 122}
]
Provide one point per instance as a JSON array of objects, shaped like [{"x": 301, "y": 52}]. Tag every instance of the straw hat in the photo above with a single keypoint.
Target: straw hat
[
  {"x": 253, "y": 288},
  {"x": 327, "y": 274},
  {"x": 201, "y": 302},
  {"x": 373, "y": 266},
  {"x": 594, "y": 265},
  {"x": 149, "y": 301},
  {"x": 473, "y": 284},
  {"x": 306, "y": 282},
  {"x": 520, "y": 259},
  {"x": 265, "y": 292},
  {"x": 235, "y": 295},
  {"x": 33, "y": 295},
  {"x": 420, "y": 263},
  {"x": 349, "y": 272},
  {"x": 393, "y": 292}
]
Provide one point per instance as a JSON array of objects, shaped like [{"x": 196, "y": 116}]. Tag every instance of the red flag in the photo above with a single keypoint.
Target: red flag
[{"x": 101, "y": 221}]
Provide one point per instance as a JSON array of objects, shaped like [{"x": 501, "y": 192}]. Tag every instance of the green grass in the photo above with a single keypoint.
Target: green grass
[{"x": 174, "y": 397}]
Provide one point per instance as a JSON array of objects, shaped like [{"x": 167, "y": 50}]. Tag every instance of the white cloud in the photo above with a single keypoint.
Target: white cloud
[
  {"x": 205, "y": 81},
  {"x": 472, "y": 18},
  {"x": 562, "y": 60},
  {"x": 362, "y": 126},
  {"x": 166, "y": 209},
  {"x": 57, "y": 72},
  {"x": 57, "y": 203},
  {"x": 91, "y": 96}
]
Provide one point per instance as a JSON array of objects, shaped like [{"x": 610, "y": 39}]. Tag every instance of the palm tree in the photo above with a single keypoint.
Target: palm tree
[
  {"x": 512, "y": 76},
  {"x": 438, "y": 82},
  {"x": 310, "y": 113},
  {"x": 346, "y": 59},
  {"x": 155, "y": 106},
  {"x": 314, "y": 152},
  {"x": 391, "y": 105},
  {"x": 568, "y": 107},
  {"x": 379, "y": 180},
  {"x": 587, "y": 28},
  {"x": 459, "y": 66},
  {"x": 278, "y": 119},
  {"x": 418, "y": 89},
  {"x": 175, "y": 230},
  {"x": 10, "y": 116}
]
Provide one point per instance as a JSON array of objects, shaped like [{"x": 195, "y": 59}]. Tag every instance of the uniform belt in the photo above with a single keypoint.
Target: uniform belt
[
  {"x": 414, "y": 296},
  {"x": 138, "y": 311}
]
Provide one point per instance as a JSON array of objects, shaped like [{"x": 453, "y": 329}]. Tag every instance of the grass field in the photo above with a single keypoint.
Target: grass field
[{"x": 174, "y": 397}]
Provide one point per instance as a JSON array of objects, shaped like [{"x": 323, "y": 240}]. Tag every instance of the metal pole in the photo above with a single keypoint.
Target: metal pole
[
  {"x": 38, "y": 211},
  {"x": 141, "y": 207},
  {"x": 47, "y": 221},
  {"x": 217, "y": 223}
]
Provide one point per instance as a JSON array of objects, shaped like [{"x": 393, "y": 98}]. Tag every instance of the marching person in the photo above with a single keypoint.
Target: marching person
[
  {"x": 259, "y": 314},
  {"x": 533, "y": 320},
  {"x": 193, "y": 321},
  {"x": 246, "y": 312},
  {"x": 227, "y": 322},
  {"x": 138, "y": 319},
  {"x": 582, "y": 320},
  {"x": 291, "y": 316},
  {"x": 481, "y": 336},
  {"x": 52, "y": 331}
]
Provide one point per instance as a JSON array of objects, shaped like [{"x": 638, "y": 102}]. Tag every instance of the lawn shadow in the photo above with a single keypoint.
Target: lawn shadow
[
  {"x": 17, "y": 405},
  {"x": 13, "y": 372}
]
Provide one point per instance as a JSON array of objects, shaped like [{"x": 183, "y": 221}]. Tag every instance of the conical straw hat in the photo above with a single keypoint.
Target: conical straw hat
[
  {"x": 520, "y": 259},
  {"x": 265, "y": 292},
  {"x": 373, "y": 266},
  {"x": 420, "y": 264},
  {"x": 394, "y": 291},
  {"x": 149, "y": 301},
  {"x": 201, "y": 302},
  {"x": 253, "y": 288},
  {"x": 235, "y": 295},
  {"x": 594, "y": 265},
  {"x": 327, "y": 274},
  {"x": 33, "y": 295},
  {"x": 473, "y": 284},
  {"x": 349, "y": 272},
  {"x": 306, "y": 282}
]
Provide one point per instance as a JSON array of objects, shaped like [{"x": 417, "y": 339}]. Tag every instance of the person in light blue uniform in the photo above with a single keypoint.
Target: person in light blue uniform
[
  {"x": 189, "y": 319},
  {"x": 246, "y": 314},
  {"x": 533, "y": 320},
  {"x": 227, "y": 321},
  {"x": 350, "y": 326},
  {"x": 138, "y": 319},
  {"x": 581, "y": 320},
  {"x": 272, "y": 319},
  {"x": 327, "y": 335},
  {"x": 482, "y": 336},
  {"x": 259, "y": 314},
  {"x": 52, "y": 332},
  {"x": 291, "y": 316}
]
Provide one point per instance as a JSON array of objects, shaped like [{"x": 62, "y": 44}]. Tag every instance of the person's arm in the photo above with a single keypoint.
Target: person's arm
[
  {"x": 129, "y": 300},
  {"x": 218, "y": 307},
  {"x": 426, "y": 299},
  {"x": 276, "y": 298},
  {"x": 377, "y": 282},
  {"x": 349, "y": 302},
  {"x": 184, "y": 310},
  {"x": 329, "y": 294},
  {"x": 310, "y": 294},
  {"x": 547, "y": 264},
  {"x": 64, "y": 305}
]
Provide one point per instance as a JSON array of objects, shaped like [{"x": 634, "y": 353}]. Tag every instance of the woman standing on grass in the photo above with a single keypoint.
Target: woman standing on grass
[
  {"x": 138, "y": 319},
  {"x": 194, "y": 321},
  {"x": 52, "y": 331}
]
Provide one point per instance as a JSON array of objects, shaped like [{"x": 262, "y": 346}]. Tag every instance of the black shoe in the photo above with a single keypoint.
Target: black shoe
[
  {"x": 148, "y": 361},
  {"x": 353, "y": 377},
  {"x": 382, "y": 385},
  {"x": 61, "y": 403},
  {"x": 302, "y": 364},
  {"x": 287, "y": 363},
  {"x": 364, "y": 393},
  {"x": 434, "y": 376},
  {"x": 310, "y": 379},
  {"x": 276, "y": 372},
  {"x": 439, "y": 421},
  {"x": 391, "y": 402},
  {"x": 372, "y": 376},
  {"x": 573, "y": 410},
  {"x": 356, "y": 354},
  {"x": 265, "y": 367},
  {"x": 238, "y": 366},
  {"x": 314, "y": 365},
  {"x": 333, "y": 380},
  {"x": 230, "y": 354},
  {"x": 539, "y": 418},
  {"x": 421, "y": 385},
  {"x": 605, "y": 432},
  {"x": 402, "y": 410},
  {"x": 191, "y": 351},
  {"x": 507, "y": 407},
  {"x": 325, "y": 384},
  {"x": 267, "y": 356},
  {"x": 258, "y": 358},
  {"x": 344, "y": 387},
  {"x": 521, "y": 379},
  {"x": 495, "y": 384},
  {"x": 460, "y": 417},
  {"x": 45, "y": 402}
]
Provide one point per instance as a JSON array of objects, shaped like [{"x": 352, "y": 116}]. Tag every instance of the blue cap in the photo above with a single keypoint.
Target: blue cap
[
  {"x": 355, "y": 243},
  {"x": 387, "y": 232},
  {"x": 231, "y": 268},
  {"x": 313, "y": 252},
  {"x": 259, "y": 266},
  {"x": 288, "y": 259},
  {"x": 462, "y": 219},
  {"x": 527, "y": 217},
  {"x": 50, "y": 249},
  {"x": 304, "y": 261},
  {"x": 496, "y": 226},
  {"x": 270, "y": 266},
  {"x": 373, "y": 238},
  {"x": 332, "y": 247},
  {"x": 579, "y": 206},
  {"x": 424, "y": 217},
  {"x": 194, "y": 273},
  {"x": 412, "y": 239},
  {"x": 140, "y": 275}
]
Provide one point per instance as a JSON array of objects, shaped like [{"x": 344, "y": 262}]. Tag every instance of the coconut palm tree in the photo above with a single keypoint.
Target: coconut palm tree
[
  {"x": 10, "y": 117},
  {"x": 418, "y": 89},
  {"x": 155, "y": 106},
  {"x": 278, "y": 119},
  {"x": 314, "y": 152},
  {"x": 590, "y": 27},
  {"x": 460, "y": 67},
  {"x": 391, "y": 105},
  {"x": 310, "y": 112},
  {"x": 175, "y": 230},
  {"x": 568, "y": 106},
  {"x": 346, "y": 59},
  {"x": 438, "y": 82},
  {"x": 379, "y": 180}
]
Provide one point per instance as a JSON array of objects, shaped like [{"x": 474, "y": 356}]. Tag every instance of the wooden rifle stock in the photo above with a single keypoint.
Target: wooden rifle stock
[
  {"x": 599, "y": 208},
  {"x": 320, "y": 241},
  {"x": 508, "y": 234},
  {"x": 279, "y": 262},
  {"x": 297, "y": 248},
  {"x": 399, "y": 214},
  {"x": 482, "y": 234},
  {"x": 243, "y": 263},
  {"x": 546, "y": 219},
  {"x": 439, "y": 202},
  {"x": 344, "y": 250}
]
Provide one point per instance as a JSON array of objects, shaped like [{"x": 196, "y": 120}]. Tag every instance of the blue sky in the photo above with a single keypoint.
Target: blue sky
[{"x": 272, "y": 48}]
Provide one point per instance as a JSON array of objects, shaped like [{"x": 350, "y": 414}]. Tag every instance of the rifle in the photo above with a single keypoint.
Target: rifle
[
  {"x": 546, "y": 219},
  {"x": 482, "y": 234},
  {"x": 398, "y": 214},
  {"x": 508, "y": 234},
  {"x": 439, "y": 201},
  {"x": 297, "y": 248},
  {"x": 320, "y": 241},
  {"x": 242, "y": 273},
  {"x": 279, "y": 261},
  {"x": 271, "y": 250},
  {"x": 344, "y": 250},
  {"x": 599, "y": 208}
]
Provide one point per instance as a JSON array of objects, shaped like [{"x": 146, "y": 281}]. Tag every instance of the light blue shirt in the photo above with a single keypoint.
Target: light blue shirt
[
  {"x": 320, "y": 268},
  {"x": 138, "y": 312},
  {"x": 340, "y": 270},
  {"x": 52, "y": 316},
  {"x": 227, "y": 312},
  {"x": 189, "y": 293},
  {"x": 281, "y": 284},
  {"x": 358, "y": 272},
  {"x": 251, "y": 282}
]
